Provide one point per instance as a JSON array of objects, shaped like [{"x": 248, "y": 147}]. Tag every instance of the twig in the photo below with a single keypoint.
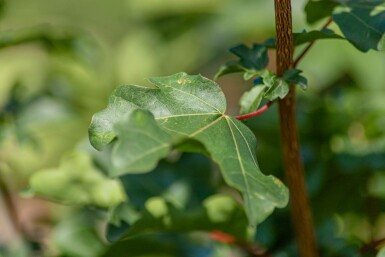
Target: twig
[
  {"x": 256, "y": 113},
  {"x": 9, "y": 202},
  {"x": 304, "y": 51}
]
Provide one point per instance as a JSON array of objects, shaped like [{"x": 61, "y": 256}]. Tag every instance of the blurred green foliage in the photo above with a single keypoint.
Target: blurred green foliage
[{"x": 59, "y": 60}]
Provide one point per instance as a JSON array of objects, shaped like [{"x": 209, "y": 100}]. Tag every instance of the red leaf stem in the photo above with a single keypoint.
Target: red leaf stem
[{"x": 256, "y": 113}]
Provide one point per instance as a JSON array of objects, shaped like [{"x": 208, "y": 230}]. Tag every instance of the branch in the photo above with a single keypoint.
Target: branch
[
  {"x": 256, "y": 113},
  {"x": 11, "y": 208},
  {"x": 303, "y": 53},
  {"x": 295, "y": 178}
]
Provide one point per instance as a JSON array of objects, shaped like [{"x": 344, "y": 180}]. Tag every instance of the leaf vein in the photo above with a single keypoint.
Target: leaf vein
[{"x": 240, "y": 160}]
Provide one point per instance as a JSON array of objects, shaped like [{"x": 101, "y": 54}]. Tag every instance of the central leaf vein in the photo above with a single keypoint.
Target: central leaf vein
[
  {"x": 192, "y": 95},
  {"x": 206, "y": 127},
  {"x": 239, "y": 160}
]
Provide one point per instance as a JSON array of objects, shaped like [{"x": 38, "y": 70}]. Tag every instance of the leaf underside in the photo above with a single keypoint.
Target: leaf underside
[{"x": 180, "y": 108}]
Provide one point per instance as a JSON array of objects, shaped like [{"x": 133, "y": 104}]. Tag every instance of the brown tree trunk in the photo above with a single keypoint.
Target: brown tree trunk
[{"x": 301, "y": 213}]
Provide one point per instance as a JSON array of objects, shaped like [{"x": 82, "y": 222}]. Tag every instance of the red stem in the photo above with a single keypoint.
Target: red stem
[
  {"x": 295, "y": 63},
  {"x": 256, "y": 113}
]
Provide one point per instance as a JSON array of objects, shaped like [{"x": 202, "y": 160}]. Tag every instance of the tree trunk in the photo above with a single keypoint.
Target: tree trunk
[{"x": 300, "y": 209}]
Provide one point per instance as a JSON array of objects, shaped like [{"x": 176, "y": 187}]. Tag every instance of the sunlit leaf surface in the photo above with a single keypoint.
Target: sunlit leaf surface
[{"x": 186, "y": 107}]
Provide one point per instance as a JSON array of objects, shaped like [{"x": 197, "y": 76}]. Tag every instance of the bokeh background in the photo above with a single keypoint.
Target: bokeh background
[{"x": 59, "y": 61}]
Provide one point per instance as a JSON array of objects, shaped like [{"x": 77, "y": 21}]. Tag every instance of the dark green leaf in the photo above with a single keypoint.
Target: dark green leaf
[
  {"x": 361, "y": 21},
  {"x": 293, "y": 77},
  {"x": 192, "y": 107},
  {"x": 185, "y": 182},
  {"x": 228, "y": 68},
  {"x": 305, "y": 37},
  {"x": 317, "y": 10},
  {"x": 361, "y": 24},
  {"x": 252, "y": 58},
  {"x": 218, "y": 212}
]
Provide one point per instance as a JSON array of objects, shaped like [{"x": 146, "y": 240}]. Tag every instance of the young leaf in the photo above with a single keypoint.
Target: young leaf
[
  {"x": 250, "y": 59},
  {"x": 251, "y": 99},
  {"x": 293, "y": 77},
  {"x": 192, "y": 107},
  {"x": 276, "y": 87}
]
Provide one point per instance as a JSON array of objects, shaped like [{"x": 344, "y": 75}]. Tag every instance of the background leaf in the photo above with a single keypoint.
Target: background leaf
[
  {"x": 361, "y": 21},
  {"x": 218, "y": 212},
  {"x": 77, "y": 181},
  {"x": 309, "y": 36},
  {"x": 253, "y": 59},
  {"x": 317, "y": 10},
  {"x": 363, "y": 28}
]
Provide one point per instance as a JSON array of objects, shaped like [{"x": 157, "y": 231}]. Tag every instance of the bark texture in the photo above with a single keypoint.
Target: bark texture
[{"x": 300, "y": 209}]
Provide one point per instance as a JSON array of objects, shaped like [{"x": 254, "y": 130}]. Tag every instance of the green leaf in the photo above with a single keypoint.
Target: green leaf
[
  {"x": 360, "y": 26},
  {"x": 317, "y": 10},
  {"x": 376, "y": 185},
  {"x": 276, "y": 87},
  {"x": 76, "y": 235},
  {"x": 305, "y": 37},
  {"x": 293, "y": 77},
  {"x": 187, "y": 188},
  {"x": 228, "y": 68},
  {"x": 381, "y": 252},
  {"x": 251, "y": 99},
  {"x": 218, "y": 212},
  {"x": 77, "y": 181},
  {"x": 362, "y": 22},
  {"x": 141, "y": 144},
  {"x": 192, "y": 107},
  {"x": 250, "y": 59}
]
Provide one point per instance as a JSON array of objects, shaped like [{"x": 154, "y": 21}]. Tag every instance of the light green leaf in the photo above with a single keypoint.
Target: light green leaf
[
  {"x": 381, "y": 252},
  {"x": 190, "y": 107},
  {"x": 251, "y": 99},
  {"x": 276, "y": 87},
  {"x": 77, "y": 181}
]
